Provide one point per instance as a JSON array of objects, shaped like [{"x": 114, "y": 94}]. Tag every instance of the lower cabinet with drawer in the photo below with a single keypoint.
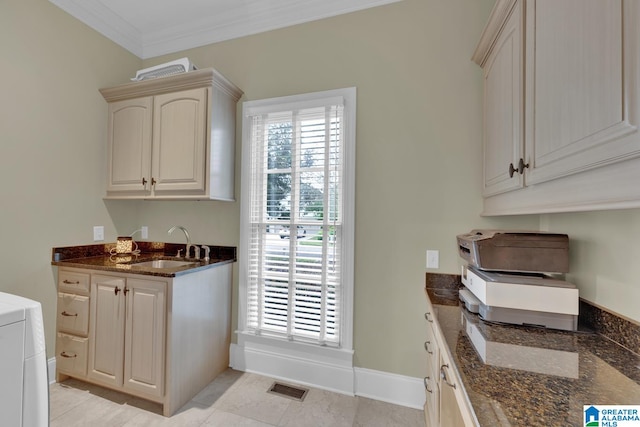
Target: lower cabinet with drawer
[
  {"x": 159, "y": 338},
  {"x": 446, "y": 404},
  {"x": 72, "y": 322}
]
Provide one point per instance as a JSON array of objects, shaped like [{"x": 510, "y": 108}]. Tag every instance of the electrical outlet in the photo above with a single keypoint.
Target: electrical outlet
[
  {"x": 144, "y": 231},
  {"x": 98, "y": 233},
  {"x": 433, "y": 258}
]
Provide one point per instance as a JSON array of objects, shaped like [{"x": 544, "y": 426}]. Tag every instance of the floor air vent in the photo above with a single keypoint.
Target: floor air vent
[{"x": 291, "y": 392}]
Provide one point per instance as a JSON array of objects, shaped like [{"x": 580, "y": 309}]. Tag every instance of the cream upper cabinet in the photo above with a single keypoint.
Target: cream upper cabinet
[
  {"x": 179, "y": 142},
  {"x": 576, "y": 93},
  {"x": 503, "y": 107},
  {"x": 172, "y": 138},
  {"x": 129, "y": 145},
  {"x": 564, "y": 91}
]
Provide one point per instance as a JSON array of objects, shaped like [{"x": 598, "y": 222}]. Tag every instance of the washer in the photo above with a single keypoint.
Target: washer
[{"x": 24, "y": 389}]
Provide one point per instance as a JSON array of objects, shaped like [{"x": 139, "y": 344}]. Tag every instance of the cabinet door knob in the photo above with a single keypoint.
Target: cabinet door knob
[
  {"x": 144, "y": 181},
  {"x": 522, "y": 166},
  {"x": 520, "y": 169},
  {"x": 116, "y": 290},
  {"x": 126, "y": 290},
  {"x": 153, "y": 181}
]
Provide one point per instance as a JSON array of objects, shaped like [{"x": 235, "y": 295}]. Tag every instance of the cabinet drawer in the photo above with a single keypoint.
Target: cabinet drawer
[
  {"x": 73, "y": 281},
  {"x": 73, "y": 313},
  {"x": 431, "y": 348},
  {"x": 71, "y": 354}
]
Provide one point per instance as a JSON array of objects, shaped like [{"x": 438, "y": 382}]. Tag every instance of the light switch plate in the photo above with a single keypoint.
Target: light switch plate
[
  {"x": 98, "y": 233},
  {"x": 433, "y": 258}
]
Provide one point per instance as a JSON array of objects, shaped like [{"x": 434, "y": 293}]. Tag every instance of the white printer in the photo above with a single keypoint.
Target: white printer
[{"x": 508, "y": 278}]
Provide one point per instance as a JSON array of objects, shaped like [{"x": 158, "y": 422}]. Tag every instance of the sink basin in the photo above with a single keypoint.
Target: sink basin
[{"x": 163, "y": 263}]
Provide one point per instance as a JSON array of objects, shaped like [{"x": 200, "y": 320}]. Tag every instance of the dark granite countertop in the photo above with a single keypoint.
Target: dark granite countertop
[
  {"x": 527, "y": 376},
  {"x": 99, "y": 257}
]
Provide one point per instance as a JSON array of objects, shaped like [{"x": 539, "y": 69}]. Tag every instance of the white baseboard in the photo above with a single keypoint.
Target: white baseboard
[
  {"x": 391, "y": 388},
  {"x": 51, "y": 370},
  {"x": 378, "y": 385},
  {"x": 295, "y": 364},
  {"x": 328, "y": 374}
]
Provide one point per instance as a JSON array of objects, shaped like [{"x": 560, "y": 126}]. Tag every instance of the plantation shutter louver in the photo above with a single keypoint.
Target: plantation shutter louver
[{"x": 295, "y": 221}]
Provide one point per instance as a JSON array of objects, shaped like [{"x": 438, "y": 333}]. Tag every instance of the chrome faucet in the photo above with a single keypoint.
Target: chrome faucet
[
  {"x": 196, "y": 251},
  {"x": 186, "y": 234},
  {"x": 206, "y": 252}
]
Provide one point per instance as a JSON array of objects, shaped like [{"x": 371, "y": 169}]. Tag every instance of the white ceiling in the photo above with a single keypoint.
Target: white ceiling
[{"x": 150, "y": 28}]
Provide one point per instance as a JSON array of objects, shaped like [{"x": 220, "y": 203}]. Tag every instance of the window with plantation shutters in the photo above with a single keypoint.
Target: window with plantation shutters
[{"x": 297, "y": 232}]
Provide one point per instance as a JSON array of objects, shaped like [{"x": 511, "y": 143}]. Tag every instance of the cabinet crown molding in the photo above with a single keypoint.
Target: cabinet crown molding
[
  {"x": 178, "y": 82},
  {"x": 496, "y": 21}
]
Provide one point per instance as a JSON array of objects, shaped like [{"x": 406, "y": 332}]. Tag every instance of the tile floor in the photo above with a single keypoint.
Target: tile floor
[{"x": 233, "y": 399}]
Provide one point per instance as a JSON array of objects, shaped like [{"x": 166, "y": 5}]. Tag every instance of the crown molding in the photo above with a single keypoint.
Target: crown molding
[
  {"x": 499, "y": 14},
  {"x": 251, "y": 17},
  {"x": 102, "y": 19}
]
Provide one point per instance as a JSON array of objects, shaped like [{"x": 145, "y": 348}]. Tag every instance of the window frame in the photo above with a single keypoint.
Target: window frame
[{"x": 250, "y": 108}]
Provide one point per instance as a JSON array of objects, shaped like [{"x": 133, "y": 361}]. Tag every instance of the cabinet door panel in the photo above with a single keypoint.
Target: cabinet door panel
[
  {"x": 129, "y": 145},
  {"x": 107, "y": 329},
  {"x": 450, "y": 414},
  {"x": 578, "y": 97},
  {"x": 503, "y": 107},
  {"x": 145, "y": 336},
  {"x": 179, "y": 141}
]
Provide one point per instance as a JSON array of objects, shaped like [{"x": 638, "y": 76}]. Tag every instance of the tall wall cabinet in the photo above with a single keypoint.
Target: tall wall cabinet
[
  {"x": 172, "y": 137},
  {"x": 561, "y": 106}
]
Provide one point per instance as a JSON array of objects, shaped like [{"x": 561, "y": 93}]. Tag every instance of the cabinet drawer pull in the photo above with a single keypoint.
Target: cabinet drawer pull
[
  {"x": 64, "y": 313},
  {"x": 426, "y": 347},
  {"x": 426, "y": 386},
  {"x": 427, "y": 316},
  {"x": 68, "y": 356},
  {"x": 69, "y": 282},
  {"x": 443, "y": 376}
]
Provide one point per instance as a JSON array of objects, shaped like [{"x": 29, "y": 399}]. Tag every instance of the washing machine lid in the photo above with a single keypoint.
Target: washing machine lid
[
  {"x": 14, "y": 308},
  {"x": 9, "y": 312}
]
